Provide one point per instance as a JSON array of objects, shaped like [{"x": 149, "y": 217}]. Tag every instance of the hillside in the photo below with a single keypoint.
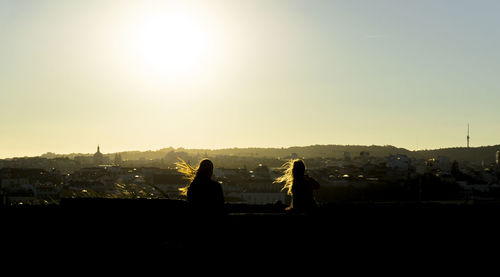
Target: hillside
[{"x": 474, "y": 154}]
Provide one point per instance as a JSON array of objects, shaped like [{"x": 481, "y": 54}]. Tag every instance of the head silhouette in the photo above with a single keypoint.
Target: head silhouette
[
  {"x": 205, "y": 169},
  {"x": 298, "y": 169}
]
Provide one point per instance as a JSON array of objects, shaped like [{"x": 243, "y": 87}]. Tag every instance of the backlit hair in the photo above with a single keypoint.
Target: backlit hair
[
  {"x": 292, "y": 169},
  {"x": 204, "y": 169}
]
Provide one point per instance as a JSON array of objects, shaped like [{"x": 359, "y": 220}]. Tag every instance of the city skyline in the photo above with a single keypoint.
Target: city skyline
[
  {"x": 146, "y": 75},
  {"x": 486, "y": 152},
  {"x": 467, "y": 145}
]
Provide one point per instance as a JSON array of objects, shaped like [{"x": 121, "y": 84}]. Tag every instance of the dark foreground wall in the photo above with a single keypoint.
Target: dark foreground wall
[{"x": 169, "y": 228}]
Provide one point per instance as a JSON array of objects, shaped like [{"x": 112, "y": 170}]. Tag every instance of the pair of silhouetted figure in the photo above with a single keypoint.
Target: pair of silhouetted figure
[{"x": 206, "y": 196}]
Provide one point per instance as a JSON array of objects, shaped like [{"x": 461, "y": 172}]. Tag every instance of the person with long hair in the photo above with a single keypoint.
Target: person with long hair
[
  {"x": 204, "y": 194},
  {"x": 299, "y": 185}
]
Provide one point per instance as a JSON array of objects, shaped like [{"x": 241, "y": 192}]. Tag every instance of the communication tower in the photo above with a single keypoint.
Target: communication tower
[{"x": 468, "y": 137}]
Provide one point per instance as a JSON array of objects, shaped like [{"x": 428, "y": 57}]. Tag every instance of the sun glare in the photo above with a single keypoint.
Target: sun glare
[{"x": 174, "y": 45}]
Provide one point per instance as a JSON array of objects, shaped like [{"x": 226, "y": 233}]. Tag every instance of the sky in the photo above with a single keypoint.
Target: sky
[{"x": 144, "y": 75}]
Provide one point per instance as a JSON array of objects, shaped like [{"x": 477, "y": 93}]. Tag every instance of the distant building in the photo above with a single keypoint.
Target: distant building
[
  {"x": 261, "y": 173},
  {"x": 444, "y": 164},
  {"x": 84, "y": 160},
  {"x": 398, "y": 162},
  {"x": 98, "y": 156},
  {"x": 229, "y": 172},
  {"x": 440, "y": 164},
  {"x": 364, "y": 156},
  {"x": 18, "y": 185},
  {"x": 118, "y": 159},
  {"x": 168, "y": 182},
  {"x": 173, "y": 156}
]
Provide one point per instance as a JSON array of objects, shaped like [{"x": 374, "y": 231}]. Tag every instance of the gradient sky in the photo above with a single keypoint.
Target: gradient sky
[{"x": 269, "y": 73}]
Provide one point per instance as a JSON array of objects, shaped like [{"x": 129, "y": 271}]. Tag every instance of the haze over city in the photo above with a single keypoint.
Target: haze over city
[{"x": 144, "y": 75}]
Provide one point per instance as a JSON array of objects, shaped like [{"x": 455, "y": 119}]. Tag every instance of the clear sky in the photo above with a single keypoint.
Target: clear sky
[{"x": 143, "y": 75}]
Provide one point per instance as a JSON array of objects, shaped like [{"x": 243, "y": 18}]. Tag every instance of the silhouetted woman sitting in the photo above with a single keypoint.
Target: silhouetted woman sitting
[
  {"x": 204, "y": 194},
  {"x": 299, "y": 185}
]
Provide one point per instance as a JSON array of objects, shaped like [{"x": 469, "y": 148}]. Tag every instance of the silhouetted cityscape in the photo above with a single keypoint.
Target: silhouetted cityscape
[
  {"x": 246, "y": 175},
  {"x": 366, "y": 202}
]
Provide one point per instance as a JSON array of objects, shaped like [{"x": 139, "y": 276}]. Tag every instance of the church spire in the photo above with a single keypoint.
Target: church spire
[{"x": 98, "y": 156}]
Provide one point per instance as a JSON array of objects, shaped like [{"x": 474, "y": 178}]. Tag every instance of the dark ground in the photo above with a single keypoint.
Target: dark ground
[{"x": 412, "y": 232}]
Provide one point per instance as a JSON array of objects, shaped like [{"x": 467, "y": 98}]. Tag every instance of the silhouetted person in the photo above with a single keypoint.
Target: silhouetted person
[
  {"x": 203, "y": 194},
  {"x": 300, "y": 186}
]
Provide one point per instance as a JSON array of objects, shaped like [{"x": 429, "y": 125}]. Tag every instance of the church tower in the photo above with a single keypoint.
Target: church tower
[{"x": 98, "y": 156}]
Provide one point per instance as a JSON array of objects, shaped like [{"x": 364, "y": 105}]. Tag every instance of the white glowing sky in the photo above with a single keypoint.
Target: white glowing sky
[{"x": 143, "y": 75}]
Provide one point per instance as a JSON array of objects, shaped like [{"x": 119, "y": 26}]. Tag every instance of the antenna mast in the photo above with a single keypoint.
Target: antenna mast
[{"x": 468, "y": 137}]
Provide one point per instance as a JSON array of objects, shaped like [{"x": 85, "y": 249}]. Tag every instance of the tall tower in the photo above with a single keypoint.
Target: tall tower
[
  {"x": 98, "y": 156},
  {"x": 468, "y": 137}
]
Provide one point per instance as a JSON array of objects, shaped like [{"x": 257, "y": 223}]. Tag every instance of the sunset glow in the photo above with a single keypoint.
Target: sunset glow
[
  {"x": 174, "y": 44},
  {"x": 151, "y": 74}
]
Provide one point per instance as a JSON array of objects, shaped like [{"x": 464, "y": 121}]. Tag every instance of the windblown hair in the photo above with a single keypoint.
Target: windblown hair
[
  {"x": 204, "y": 169},
  {"x": 292, "y": 170}
]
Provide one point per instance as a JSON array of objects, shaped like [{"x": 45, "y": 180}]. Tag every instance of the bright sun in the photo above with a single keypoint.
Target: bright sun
[{"x": 174, "y": 45}]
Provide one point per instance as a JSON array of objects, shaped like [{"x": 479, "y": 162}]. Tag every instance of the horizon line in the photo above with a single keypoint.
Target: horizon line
[{"x": 253, "y": 147}]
